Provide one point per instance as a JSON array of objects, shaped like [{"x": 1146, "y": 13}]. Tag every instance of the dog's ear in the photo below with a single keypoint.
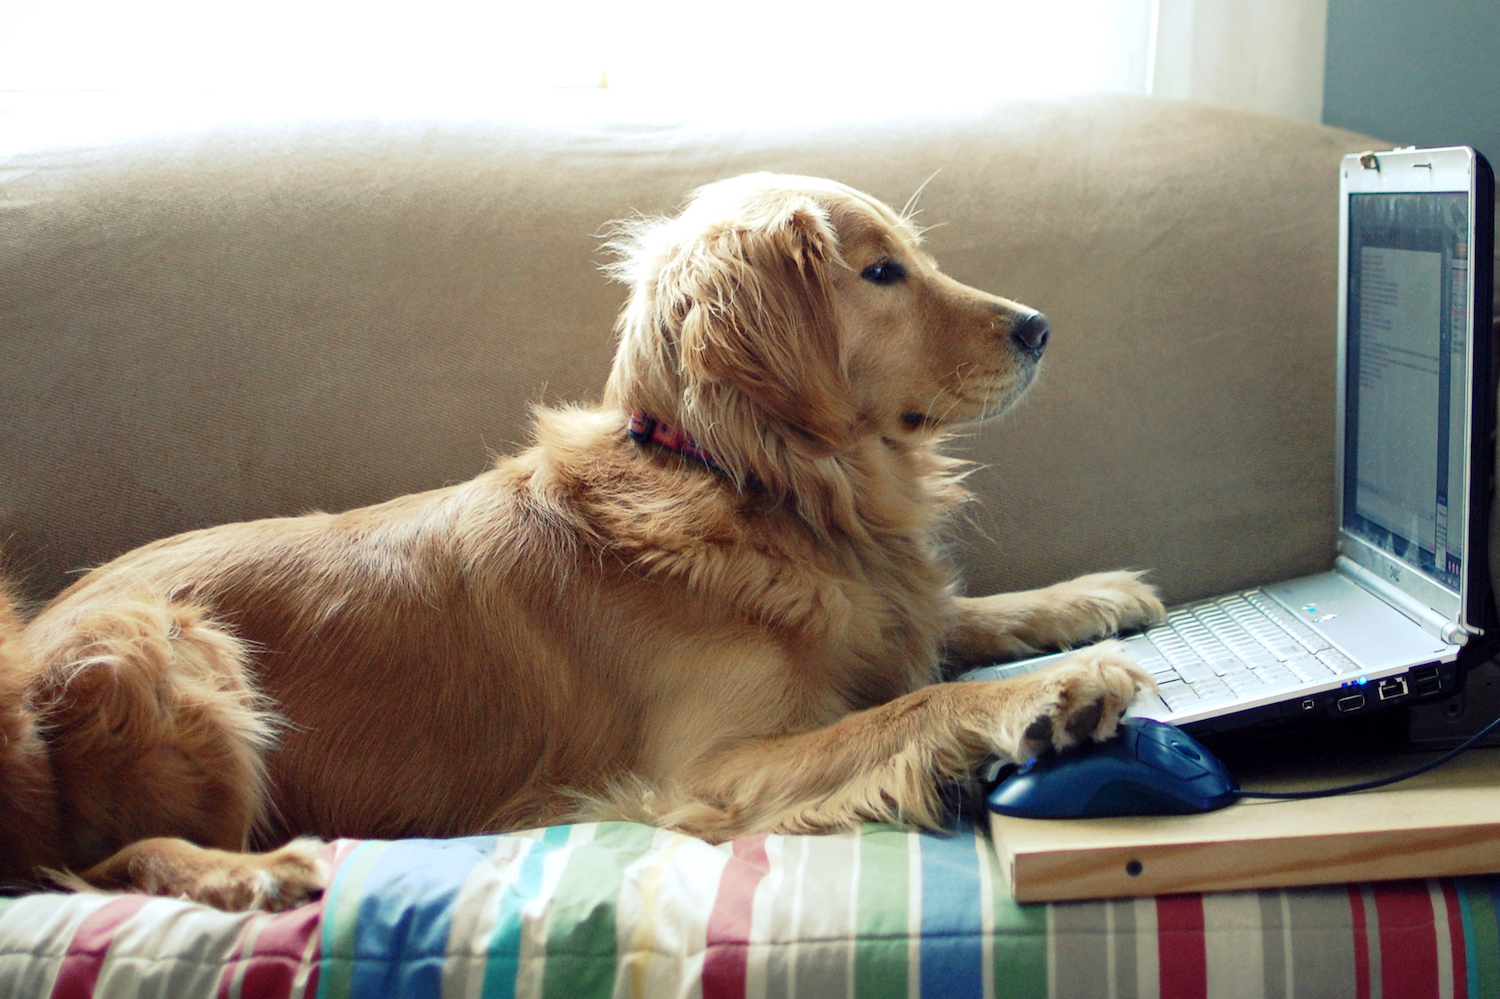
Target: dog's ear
[{"x": 760, "y": 315}]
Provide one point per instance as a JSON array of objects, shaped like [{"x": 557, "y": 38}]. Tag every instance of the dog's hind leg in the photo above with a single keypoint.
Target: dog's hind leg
[
  {"x": 29, "y": 830},
  {"x": 154, "y": 731}
]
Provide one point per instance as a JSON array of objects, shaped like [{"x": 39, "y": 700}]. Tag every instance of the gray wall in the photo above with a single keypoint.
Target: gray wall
[{"x": 1416, "y": 72}]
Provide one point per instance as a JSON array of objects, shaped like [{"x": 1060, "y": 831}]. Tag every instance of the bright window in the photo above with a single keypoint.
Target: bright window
[
  {"x": 878, "y": 53},
  {"x": 779, "y": 58}
]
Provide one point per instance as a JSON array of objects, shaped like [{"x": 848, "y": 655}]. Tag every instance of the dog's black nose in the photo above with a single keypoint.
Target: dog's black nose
[{"x": 1030, "y": 334}]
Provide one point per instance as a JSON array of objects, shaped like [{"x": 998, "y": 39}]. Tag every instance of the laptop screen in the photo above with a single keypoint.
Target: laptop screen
[{"x": 1406, "y": 404}]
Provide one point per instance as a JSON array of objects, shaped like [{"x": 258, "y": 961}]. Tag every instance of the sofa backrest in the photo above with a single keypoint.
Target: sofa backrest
[{"x": 251, "y": 319}]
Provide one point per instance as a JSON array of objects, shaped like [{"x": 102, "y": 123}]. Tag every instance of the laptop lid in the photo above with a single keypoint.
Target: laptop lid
[{"x": 1415, "y": 396}]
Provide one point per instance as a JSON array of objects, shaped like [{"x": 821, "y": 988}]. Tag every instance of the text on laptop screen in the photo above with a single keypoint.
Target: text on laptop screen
[{"x": 1404, "y": 460}]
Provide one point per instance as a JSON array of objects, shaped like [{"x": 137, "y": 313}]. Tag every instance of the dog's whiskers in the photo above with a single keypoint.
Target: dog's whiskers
[{"x": 909, "y": 211}]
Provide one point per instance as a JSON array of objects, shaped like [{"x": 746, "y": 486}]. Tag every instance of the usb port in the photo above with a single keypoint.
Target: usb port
[
  {"x": 1390, "y": 687},
  {"x": 1429, "y": 685},
  {"x": 1351, "y": 703}
]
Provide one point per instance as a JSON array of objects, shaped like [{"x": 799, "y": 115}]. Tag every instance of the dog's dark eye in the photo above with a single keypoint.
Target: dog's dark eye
[{"x": 884, "y": 272}]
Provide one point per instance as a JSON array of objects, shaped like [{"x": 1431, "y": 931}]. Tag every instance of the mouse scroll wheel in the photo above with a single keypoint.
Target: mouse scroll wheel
[
  {"x": 1186, "y": 750},
  {"x": 1170, "y": 758}
]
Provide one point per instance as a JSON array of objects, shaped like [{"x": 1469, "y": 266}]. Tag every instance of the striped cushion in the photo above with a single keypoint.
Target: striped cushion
[{"x": 622, "y": 909}]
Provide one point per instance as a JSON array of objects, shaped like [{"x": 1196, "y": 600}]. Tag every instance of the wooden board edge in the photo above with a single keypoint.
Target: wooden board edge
[{"x": 1281, "y": 862}]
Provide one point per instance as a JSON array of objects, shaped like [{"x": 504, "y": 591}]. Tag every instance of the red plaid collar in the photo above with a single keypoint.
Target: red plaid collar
[{"x": 645, "y": 428}]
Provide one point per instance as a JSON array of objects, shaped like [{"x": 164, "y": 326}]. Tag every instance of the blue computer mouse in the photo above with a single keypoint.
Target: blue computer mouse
[{"x": 1149, "y": 768}]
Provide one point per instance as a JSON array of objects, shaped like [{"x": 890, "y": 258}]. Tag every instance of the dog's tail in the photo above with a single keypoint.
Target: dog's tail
[{"x": 29, "y": 832}]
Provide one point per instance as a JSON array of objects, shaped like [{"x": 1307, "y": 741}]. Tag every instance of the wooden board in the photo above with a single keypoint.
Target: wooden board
[{"x": 1445, "y": 822}]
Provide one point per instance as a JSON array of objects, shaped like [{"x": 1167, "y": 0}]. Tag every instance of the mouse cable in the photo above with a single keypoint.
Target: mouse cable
[{"x": 1369, "y": 785}]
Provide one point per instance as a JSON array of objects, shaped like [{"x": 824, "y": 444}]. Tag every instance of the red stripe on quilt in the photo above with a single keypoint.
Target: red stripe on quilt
[
  {"x": 79, "y": 971},
  {"x": 728, "y": 933},
  {"x": 283, "y": 943},
  {"x": 1181, "y": 950},
  {"x": 1361, "y": 943},
  {"x": 1456, "y": 939},
  {"x": 270, "y": 966},
  {"x": 1408, "y": 939}
]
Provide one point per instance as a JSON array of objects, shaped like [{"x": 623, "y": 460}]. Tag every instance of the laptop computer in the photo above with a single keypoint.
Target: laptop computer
[{"x": 1413, "y": 478}]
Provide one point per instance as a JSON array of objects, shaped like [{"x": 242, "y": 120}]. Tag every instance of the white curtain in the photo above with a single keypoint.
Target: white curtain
[
  {"x": 1261, "y": 55},
  {"x": 787, "y": 57}
]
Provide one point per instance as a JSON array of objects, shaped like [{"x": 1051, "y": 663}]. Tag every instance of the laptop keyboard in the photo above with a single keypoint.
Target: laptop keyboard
[{"x": 1239, "y": 646}]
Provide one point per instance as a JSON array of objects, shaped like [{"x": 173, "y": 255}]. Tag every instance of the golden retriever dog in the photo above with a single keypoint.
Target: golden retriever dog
[{"x": 714, "y": 602}]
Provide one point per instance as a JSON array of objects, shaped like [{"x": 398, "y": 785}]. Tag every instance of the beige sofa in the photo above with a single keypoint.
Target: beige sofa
[{"x": 260, "y": 315}]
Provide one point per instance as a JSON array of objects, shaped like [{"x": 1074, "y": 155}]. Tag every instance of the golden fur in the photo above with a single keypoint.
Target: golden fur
[{"x": 595, "y": 626}]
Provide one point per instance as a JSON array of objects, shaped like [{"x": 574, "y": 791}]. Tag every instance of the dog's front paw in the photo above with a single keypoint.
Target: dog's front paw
[
  {"x": 1079, "y": 700},
  {"x": 273, "y": 882},
  {"x": 290, "y": 876},
  {"x": 1093, "y": 606},
  {"x": 280, "y": 879}
]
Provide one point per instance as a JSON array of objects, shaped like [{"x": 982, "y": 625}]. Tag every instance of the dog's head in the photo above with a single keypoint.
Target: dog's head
[{"x": 782, "y": 314}]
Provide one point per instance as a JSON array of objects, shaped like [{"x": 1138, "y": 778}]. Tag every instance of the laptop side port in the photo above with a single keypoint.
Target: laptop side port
[
  {"x": 1428, "y": 683},
  {"x": 1393, "y": 686},
  {"x": 1351, "y": 703}
]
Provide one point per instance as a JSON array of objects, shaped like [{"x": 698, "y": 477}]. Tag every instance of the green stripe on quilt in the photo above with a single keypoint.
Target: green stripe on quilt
[
  {"x": 1019, "y": 938},
  {"x": 503, "y": 966},
  {"x": 1481, "y": 935},
  {"x": 582, "y": 941},
  {"x": 340, "y": 922},
  {"x": 882, "y": 921}
]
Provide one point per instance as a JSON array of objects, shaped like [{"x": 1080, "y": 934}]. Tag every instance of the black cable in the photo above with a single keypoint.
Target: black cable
[{"x": 1368, "y": 785}]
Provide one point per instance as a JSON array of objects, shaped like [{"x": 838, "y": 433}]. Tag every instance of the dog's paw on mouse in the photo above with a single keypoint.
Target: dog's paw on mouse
[
  {"x": 1079, "y": 700},
  {"x": 280, "y": 879}
]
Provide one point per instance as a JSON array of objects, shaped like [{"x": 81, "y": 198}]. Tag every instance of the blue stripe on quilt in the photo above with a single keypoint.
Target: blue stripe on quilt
[
  {"x": 952, "y": 959},
  {"x": 404, "y": 910}
]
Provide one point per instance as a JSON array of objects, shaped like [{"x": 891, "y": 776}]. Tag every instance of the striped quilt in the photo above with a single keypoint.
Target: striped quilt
[{"x": 616, "y": 909}]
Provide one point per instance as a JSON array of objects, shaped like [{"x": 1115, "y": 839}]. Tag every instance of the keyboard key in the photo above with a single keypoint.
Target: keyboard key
[
  {"x": 1279, "y": 676},
  {"x": 1242, "y": 682},
  {"x": 1305, "y": 673},
  {"x": 1178, "y": 696},
  {"x": 1337, "y": 661},
  {"x": 1314, "y": 643}
]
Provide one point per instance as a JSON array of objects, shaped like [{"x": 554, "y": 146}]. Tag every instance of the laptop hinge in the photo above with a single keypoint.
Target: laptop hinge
[{"x": 1429, "y": 620}]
